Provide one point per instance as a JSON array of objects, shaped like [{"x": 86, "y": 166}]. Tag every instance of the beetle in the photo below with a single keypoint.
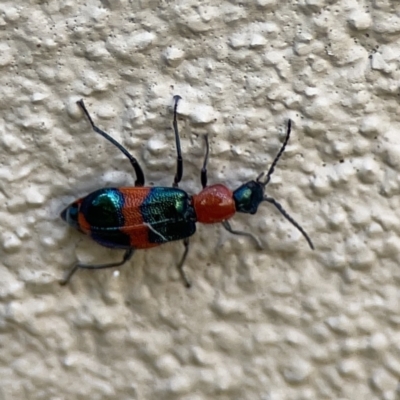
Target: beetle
[{"x": 141, "y": 217}]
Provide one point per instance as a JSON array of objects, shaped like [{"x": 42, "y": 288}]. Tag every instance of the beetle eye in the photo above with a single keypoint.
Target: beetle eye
[{"x": 70, "y": 215}]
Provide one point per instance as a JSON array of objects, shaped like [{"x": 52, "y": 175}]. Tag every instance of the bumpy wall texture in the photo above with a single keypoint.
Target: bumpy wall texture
[{"x": 279, "y": 323}]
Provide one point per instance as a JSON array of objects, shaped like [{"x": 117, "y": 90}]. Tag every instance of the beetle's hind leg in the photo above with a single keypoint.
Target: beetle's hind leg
[
  {"x": 127, "y": 256},
  {"x": 135, "y": 164},
  {"x": 179, "y": 159}
]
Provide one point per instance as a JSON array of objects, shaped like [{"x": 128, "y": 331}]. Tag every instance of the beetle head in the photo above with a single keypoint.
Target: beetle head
[{"x": 248, "y": 197}]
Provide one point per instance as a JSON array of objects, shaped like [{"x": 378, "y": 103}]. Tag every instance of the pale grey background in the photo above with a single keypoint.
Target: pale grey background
[{"x": 281, "y": 323}]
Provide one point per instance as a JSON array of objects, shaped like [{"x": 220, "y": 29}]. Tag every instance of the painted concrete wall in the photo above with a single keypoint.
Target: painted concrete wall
[{"x": 280, "y": 323}]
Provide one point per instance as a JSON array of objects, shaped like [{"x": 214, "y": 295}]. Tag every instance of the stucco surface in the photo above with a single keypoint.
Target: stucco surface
[{"x": 279, "y": 323}]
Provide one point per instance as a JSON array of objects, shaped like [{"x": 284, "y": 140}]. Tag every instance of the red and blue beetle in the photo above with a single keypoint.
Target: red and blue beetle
[{"x": 142, "y": 217}]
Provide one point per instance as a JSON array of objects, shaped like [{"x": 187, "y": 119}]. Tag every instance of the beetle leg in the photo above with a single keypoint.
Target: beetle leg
[
  {"x": 127, "y": 256},
  {"x": 228, "y": 227},
  {"x": 204, "y": 169},
  {"x": 182, "y": 261},
  {"x": 135, "y": 164},
  {"x": 179, "y": 159}
]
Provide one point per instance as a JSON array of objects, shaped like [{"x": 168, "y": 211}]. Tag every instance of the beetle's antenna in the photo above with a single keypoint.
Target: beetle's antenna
[
  {"x": 289, "y": 218},
  {"x": 278, "y": 156}
]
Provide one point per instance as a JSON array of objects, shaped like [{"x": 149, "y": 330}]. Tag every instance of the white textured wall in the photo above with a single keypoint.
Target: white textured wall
[{"x": 281, "y": 323}]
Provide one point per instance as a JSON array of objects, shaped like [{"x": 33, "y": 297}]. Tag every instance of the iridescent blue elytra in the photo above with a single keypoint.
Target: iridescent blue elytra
[{"x": 141, "y": 217}]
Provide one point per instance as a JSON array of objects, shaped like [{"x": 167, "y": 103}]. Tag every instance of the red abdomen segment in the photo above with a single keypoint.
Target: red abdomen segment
[
  {"x": 214, "y": 204},
  {"x": 133, "y": 217},
  {"x": 134, "y": 226}
]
